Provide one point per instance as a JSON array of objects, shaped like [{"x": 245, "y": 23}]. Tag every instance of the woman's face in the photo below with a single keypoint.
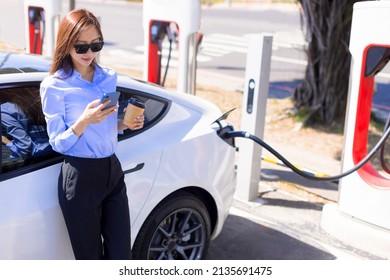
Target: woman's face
[{"x": 88, "y": 36}]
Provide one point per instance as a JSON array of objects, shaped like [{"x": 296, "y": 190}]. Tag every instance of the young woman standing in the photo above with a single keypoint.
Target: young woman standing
[{"x": 91, "y": 187}]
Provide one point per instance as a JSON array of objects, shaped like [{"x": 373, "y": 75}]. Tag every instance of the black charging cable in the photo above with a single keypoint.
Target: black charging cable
[
  {"x": 243, "y": 134},
  {"x": 170, "y": 39}
]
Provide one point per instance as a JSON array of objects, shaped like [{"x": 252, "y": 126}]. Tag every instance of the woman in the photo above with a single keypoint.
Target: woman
[{"x": 92, "y": 191}]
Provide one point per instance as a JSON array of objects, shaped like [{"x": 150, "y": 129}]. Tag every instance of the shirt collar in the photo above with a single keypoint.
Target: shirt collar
[{"x": 76, "y": 74}]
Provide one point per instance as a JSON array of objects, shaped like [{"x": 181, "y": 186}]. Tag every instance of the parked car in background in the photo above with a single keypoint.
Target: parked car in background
[{"x": 179, "y": 172}]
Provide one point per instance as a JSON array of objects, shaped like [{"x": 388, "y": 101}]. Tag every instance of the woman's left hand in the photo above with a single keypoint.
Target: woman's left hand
[{"x": 138, "y": 122}]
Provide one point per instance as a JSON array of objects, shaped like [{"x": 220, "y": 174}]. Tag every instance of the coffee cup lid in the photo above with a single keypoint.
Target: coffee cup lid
[{"x": 136, "y": 102}]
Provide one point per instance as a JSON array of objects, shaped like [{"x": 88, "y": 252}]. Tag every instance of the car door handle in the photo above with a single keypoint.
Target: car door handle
[{"x": 139, "y": 166}]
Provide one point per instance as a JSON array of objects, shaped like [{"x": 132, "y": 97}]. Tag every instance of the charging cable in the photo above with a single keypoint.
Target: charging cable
[
  {"x": 170, "y": 39},
  {"x": 247, "y": 135}
]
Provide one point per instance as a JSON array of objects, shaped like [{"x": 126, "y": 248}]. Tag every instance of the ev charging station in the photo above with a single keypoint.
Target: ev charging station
[
  {"x": 171, "y": 18},
  {"x": 362, "y": 215},
  {"x": 41, "y": 21},
  {"x": 255, "y": 96}
]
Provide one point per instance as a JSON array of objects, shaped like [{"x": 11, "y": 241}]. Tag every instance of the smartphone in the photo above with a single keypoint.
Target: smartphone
[{"x": 113, "y": 97}]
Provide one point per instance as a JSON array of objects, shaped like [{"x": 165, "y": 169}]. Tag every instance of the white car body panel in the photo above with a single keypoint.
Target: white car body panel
[{"x": 34, "y": 227}]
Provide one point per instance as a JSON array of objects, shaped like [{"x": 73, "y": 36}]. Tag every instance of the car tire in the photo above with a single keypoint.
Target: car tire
[{"x": 177, "y": 229}]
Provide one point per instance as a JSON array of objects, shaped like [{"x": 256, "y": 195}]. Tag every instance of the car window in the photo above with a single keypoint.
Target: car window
[
  {"x": 23, "y": 129},
  {"x": 155, "y": 109}
]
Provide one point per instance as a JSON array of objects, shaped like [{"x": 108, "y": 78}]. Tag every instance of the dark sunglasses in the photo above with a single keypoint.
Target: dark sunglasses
[{"x": 83, "y": 48}]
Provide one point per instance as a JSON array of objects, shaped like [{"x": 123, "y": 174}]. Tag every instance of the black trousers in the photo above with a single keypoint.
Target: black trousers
[{"x": 92, "y": 196}]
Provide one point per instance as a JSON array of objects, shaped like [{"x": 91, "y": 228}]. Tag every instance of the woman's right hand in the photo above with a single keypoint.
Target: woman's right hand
[{"x": 93, "y": 113}]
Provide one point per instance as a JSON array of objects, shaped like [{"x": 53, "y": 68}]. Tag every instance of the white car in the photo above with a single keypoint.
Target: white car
[{"x": 180, "y": 175}]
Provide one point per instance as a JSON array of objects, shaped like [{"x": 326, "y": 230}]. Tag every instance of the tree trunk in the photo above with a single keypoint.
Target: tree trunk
[{"x": 323, "y": 92}]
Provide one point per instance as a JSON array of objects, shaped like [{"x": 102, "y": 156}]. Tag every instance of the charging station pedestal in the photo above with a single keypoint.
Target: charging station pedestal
[
  {"x": 362, "y": 215},
  {"x": 159, "y": 16},
  {"x": 41, "y": 21},
  {"x": 257, "y": 73}
]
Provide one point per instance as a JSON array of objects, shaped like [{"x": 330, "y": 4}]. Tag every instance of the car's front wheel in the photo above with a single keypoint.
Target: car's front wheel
[{"x": 178, "y": 229}]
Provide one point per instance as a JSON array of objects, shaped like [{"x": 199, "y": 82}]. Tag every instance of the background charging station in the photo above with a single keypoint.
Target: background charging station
[
  {"x": 362, "y": 216},
  {"x": 41, "y": 22},
  {"x": 257, "y": 73},
  {"x": 176, "y": 20}
]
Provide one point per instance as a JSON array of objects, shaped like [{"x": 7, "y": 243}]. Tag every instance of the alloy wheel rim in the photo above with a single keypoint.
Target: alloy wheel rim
[{"x": 180, "y": 236}]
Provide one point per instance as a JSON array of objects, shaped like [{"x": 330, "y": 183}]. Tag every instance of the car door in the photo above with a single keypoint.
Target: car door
[
  {"x": 140, "y": 152},
  {"x": 31, "y": 222}
]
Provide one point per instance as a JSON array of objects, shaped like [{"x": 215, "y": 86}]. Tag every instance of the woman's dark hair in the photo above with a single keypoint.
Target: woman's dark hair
[{"x": 68, "y": 33}]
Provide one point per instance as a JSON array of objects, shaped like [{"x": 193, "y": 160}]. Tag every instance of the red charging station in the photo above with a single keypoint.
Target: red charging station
[
  {"x": 158, "y": 31},
  {"x": 36, "y": 28},
  {"x": 361, "y": 216},
  {"x": 42, "y": 19},
  {"x": 178, "y": 22}
]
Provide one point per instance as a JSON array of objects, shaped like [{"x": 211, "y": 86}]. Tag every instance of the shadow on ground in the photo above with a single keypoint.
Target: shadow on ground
[
  {"x": 242, "y": 239},
  {"x": 274, "y": 175}
]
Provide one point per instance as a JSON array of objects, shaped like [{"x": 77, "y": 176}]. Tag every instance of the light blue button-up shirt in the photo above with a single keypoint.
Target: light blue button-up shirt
[{"x": 63, "y": 102}]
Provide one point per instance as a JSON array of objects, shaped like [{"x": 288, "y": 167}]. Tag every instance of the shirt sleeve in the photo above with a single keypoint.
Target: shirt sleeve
[
  {"x": 20, "y": 146},
  {"x": 61, "y": 137}
]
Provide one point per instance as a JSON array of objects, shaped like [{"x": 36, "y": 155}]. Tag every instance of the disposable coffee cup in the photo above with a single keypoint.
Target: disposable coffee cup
[{"x": 135, "y": 108}]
